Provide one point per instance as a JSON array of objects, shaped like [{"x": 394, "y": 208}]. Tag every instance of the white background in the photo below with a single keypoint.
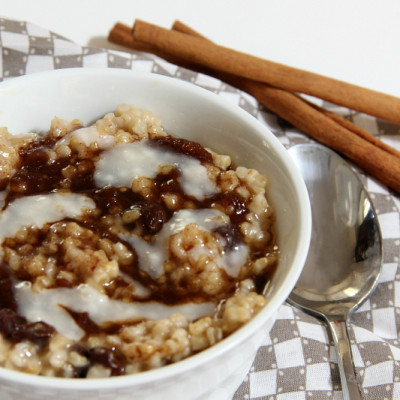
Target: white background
[{"x": 357, "y": 41}]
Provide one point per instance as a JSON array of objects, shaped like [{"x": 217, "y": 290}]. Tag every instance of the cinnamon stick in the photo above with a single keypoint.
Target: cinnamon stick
[
  {"x": 121, "y": 34},
  {"x": 221, "y": 59},
  {"x": 274, "y": 96},
  {"x": 374, "y": 160},
  {"x": 353, "y": 142},
  {"x": 358, "y": 131},
  {"x": 179, "y": 26}
]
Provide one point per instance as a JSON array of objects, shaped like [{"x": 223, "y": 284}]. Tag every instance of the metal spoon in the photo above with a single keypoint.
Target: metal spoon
[{"x": 345, "y": 256}]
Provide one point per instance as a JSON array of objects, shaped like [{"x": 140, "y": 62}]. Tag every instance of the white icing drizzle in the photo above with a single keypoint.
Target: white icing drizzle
[
  {"x": 41, "y": 209},
  {"x": 139, "y": 290},
  {"x": 234, "y": 259},
  {"x": 46, "y": 306},
  {"x": 120, "y": 165},
  {"x": 87, "y": 136},
  {"x": 152, "y": 255}
]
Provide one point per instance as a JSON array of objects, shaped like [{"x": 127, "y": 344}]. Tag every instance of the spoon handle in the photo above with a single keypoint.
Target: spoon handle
[{"x": 348, "y": 378}]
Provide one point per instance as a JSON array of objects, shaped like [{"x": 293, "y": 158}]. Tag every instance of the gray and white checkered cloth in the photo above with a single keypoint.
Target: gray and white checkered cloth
[{"x": 297, "y": 361}]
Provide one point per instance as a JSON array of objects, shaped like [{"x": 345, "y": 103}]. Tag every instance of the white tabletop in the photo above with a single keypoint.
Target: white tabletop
[{"x": 357, "y": 41}]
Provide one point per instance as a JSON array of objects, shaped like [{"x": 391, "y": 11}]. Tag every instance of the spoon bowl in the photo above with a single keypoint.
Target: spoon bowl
[{"x": 345, "y": 256}]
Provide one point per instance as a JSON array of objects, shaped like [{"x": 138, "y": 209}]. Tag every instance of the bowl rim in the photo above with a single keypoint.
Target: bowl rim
[{"x": 250, "y": 327}]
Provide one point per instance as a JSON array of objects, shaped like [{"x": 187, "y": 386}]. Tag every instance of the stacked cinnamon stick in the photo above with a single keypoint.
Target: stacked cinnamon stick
[{"x": 277, "y": 87}]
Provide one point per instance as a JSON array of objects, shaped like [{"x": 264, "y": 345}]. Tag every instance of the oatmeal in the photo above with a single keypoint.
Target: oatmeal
[{"x": 123, "y": 248}]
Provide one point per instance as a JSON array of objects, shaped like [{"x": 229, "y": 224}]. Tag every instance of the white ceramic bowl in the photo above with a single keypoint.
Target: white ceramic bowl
[{"x": 29, "y": 103}]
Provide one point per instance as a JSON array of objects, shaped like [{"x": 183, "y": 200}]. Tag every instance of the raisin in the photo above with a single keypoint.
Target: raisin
[
  {"x": 80, "y": 349},
  {"x": 35, "y": 152},
  {"x": 34, "y": 155},
  {"x": 230, "y": 234},
  {"x": 192, "y": 149},
  {"x": 10, "y": 322},
  {"x": 16, "y": 328},
  {"x": 38, "y": 332},
  {"x": 38, "y": 178},
  {"x": 113, "y": 200},
  {"x": 7, "y": 299},
  {"x": 169, "y": 183},
  {"x": 108, "y": 358},
  {"x": 238, "y": 204},
  {"x": 152, "y": 217}
]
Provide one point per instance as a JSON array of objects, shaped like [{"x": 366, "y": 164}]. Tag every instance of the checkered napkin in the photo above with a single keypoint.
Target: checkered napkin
[{"x": 297, "y": 361}]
